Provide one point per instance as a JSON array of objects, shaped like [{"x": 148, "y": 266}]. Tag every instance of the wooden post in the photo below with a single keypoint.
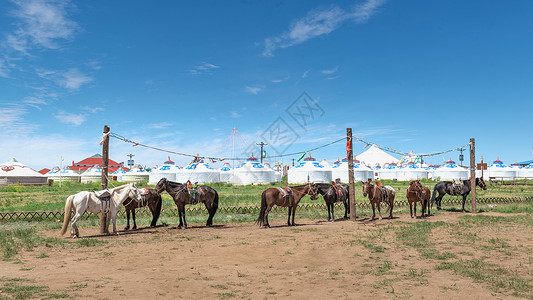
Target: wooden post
[
  {"x": 473, "y": 173},
  {"x": 104, "y": 225},
  {"x": 351, "y": 185}
]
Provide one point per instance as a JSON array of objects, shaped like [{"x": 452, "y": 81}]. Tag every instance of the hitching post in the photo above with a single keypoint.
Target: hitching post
[
  {"x": 104, "y": 225},
  {"x": 473, "y": 173},
  {"x": 351, "y": 186}
]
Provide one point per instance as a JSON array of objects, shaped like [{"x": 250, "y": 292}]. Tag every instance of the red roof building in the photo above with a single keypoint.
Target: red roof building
[
  {"x": 96, "y": 159},
  {"x": 44, "y": 171}
]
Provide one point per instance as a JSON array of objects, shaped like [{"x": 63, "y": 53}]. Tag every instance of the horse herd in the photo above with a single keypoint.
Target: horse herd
[{"x": 132, "y": 197}]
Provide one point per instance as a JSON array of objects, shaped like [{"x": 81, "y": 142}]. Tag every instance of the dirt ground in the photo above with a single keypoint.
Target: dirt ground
[{"x": 313, "y": 260}]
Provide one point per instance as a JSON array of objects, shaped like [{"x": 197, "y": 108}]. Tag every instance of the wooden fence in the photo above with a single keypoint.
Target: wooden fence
[{"x": 31, "y": 216}]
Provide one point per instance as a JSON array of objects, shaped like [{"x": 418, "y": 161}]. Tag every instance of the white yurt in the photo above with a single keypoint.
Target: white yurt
[
  {"x": 277, "y": 175},
  {"x": 117, "y": 175},
  {"x": 252, "y": 171},
  {"x": 450, "y": 170},
  {"x": 388, "y": 171},
  {"x": 375, "y": 171},
  {"x": 527, "y": 171},
  {"x": 63, "y": 175},
  {"x": 93, "y": 174},
  {"x": 136, "y": 174},
  {"x": 430, "y": 170},
  {"x": 411, "y": 171},
  {"x": 499, "y": 170},
  {"x": 360, "y": 171},
  {"x": 325, "y": 164},
  {"x": 225, "y": 172},
  {"x": 375, "y": 156},
  {"x": 309, "y": 170},
  {"x": 14, "y": 172},
  {"x": 198, "y": 172},
  {"x": 518, "y": 168},
  {"x": 168, "y": 170}
]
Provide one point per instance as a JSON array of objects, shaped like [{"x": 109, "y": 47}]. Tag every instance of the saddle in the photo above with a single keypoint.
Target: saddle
[
  {"x": 338, "y": 190},
  {"x": 145, "y": 194},
  {"x": 286, "y": 192},
  {"x": 384, "y": 194},
  {"x": 457, "y": 187},
  {"x": 105, "y": 197},
  {"x": 194, "y": 195}
]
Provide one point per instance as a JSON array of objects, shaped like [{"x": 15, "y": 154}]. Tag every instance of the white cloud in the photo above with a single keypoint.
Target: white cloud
[
  {"x": 304, "y": 75},
  {"x": 331, "y": 71},
  {"x": 12, "y": 120},
  {"x": 3, "y": 68},
  {"x": 203, "y": 68},
  {"x": 73, "y": 79},
  {"x": 69, "y": 118},
  {"x": 161, "y": 125},
  {"x": 319, "y": 22},
  {"x": 92, "y": 110},
  {"x": 35, "y": 102},
  {"x": 41, "y": 23},
  {"x": 235, "y": 114},
  {"x": 254, "y": 89}
]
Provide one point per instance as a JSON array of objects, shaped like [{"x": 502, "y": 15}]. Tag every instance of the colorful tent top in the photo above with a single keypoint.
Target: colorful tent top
[
  {"x": 309, "y": 158},
  {"x": 497, "y": 162},
  {"x": 14, "y": 172},
  {"x": 251, "y": 158},
  {"x": 225, "y": 168}
]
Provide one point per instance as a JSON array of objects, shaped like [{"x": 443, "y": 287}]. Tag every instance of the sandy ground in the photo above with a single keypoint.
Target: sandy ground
[{"x": 313, "y": 260}]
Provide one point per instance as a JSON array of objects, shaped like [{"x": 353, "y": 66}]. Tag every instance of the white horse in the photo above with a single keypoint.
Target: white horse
[{"x": 88, "y": 201}]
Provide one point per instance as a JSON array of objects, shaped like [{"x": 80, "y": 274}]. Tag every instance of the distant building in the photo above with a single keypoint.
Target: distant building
[
  {"x": 96, "y": 159},
  {"x": 44, "y": 171}
]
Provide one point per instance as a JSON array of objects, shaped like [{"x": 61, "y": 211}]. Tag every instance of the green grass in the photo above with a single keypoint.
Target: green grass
[{"x": 20, "y": 288}]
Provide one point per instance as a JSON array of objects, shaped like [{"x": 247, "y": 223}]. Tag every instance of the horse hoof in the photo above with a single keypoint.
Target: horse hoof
[{"x": 127, "y": 228}]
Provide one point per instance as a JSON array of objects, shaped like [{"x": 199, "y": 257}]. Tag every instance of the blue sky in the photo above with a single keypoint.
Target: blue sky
[{"x": 421, "y": 76}]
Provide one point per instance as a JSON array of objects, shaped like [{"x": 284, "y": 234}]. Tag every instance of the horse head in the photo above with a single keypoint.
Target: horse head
[
  {"x": 366, "y": 187},
  {"x": 134, "y": 192},
  {"x": 161, "y": 186},
  {"x": 313, "y": 191},
  {"x": 416, "y": 187},
  {"x": 481, "y": 183}
]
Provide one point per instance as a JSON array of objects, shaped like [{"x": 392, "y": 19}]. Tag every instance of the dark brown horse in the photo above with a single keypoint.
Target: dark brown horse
[
  {"x": 333, "y": 195},
  {"x": 448, "y": 187},
  {"x": 415, "y": 193},
  {"x": 181, "y": 196},
  {"x": 152, "y": 200},
  {"x": 273, "y": 196},
  {"x": 376, "y": 196}
]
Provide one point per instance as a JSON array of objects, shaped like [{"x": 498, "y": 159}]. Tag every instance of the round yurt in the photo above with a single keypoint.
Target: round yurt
[
  {"x": 411, "y": 171},
  {"x": 518, "y": 168},
  {"x": 198, "y": 172},
  {"x": 450, "y": 170},
  {"x": 309, "y": 170},
  {"x": 93, "y": 174},
  {"x": 225, "y": 172},
  {"x": 360, "y": 171},
  {"x": 325, "y": 164},
  {"x": 430, "y": 170},
  {"x": 499, "y": 170},
  {"x": 252, "y": 172},
  {"x": 136, "y": 174},
  {"x": 168, "y": 170},
  {"x": 527, "y": 171},
  {"x": 63, "y": 175},
  {"x": 14, "y": 172},
  {"x": 278, "y": 177},
  {"x": 389, "y": 171},
  {"x": 118, "y": 174}
]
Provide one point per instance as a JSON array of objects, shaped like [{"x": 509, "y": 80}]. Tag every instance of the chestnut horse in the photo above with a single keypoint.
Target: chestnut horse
[
  {"x": 415, "y": 193},
  {"x": 180, "y": 194},
  {"x": 273, "y": 196},
  {"x": 152, "y": 200},
  {"x": 375, "y": 196}
]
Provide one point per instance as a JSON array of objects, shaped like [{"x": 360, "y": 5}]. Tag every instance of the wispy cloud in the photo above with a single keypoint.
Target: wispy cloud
[
  {"x": 204, "y": 68},
  {"x": 331, "y": 71},
  {"x": 41, "y": 23},
  {"x": 235, "y": 114},
  {"x": 320, "y": 22},
  {"x": 304, "y": 75},
  {"x": 92, "y": 110},
  {"x": 70, "y": 118},
  {"x": 12, "y": 120},
  {"x": 161, "y": 125},
  {"x": 71, "y": 79},
  {"x": 279, "y": 80},
  {"x": 3, "y": 68},
  {"x": 34, "y": 102},
  {"x": 254, "y": 89}
]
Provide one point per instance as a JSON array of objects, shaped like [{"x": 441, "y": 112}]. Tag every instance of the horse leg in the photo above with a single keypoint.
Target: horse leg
[
  {"x": 209, "y": 208},
  {"x": 267, "y": 211},
  {"x": 133, "y": 217},
  {"x": 379, "y": 210},
  {"x": 332, "y": 212},
  {"x": 346, "y": 209},
  {"x": 293, "y": 214},
  {"x": 464, "y": 200},
  {"x": 438, "y": 200},
  {"x": 414, "y": 208},
  {"x": 75, "y": 233},
  {"x": 411, "y": 208},
  {"x": 289, "y": 218},
  {"x": 373, "y": 210},
  {"x": 127, "y": 220},
  {"x": 329, "y": 211}
]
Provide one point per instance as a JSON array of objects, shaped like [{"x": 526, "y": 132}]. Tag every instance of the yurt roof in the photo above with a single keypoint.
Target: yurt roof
[
  {"x": 226, "y": 167},
  {"x": 120, "y": 170},
  {"x": 199, "y": 167},
  {"x": 95, "y": 170},
  {"x": 13, "y": 168},
  {"x": 325, "y": 163},
  {"x": 64, "y": 172},
  {"x": 374, "y": 156}
]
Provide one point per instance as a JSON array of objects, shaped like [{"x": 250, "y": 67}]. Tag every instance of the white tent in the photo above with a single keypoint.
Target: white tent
[
  {"x": 519, "y": 170},
  {"x": 252, "y": 171},
  {"x": 374, "y": 156},
  {"x": 325, "y": 164},
  {"x": 137, "y": 174},
  {"x": 450, "y": 170},
  {"x": 361, "y": 171},
  {"x": 499, "y": 170},
  {"x": 277, "y": 175},
  {"x": 14, "y": 172},
  {"x": 225, "y": 172},
  {"x": 527, "y": 171},
  {"x": 411, "y": 171},
  {"x": 388, "y": 171},
  {"x": 199, "y": 172},
  {"x": 168, "y": 170},
  {"x": 93, "y": 174},
  {"x": 118, "y": 174},
  {"x": 431, "y": 169},
  {"x": 309, "y": 170},
  {"x": 66, "y": 174}
]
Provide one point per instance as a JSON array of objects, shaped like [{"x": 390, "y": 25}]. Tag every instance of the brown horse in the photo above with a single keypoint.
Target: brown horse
[
  {"x": 376, "y": 196},
  {"x": 273, "y": 196},
  {"x": 181, "y": 196},
  {"x": 152, "y": 200},
  {"x": 426, "y": 195},
  {"x": 415, "y": 193}
]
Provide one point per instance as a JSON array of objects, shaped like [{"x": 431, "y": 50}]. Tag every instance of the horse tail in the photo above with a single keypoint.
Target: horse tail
[
  {"x": 262, "y": 211},
  {"x": 66, "y": 218},
  {"x": 215, "y": 202},
  {"x": 433, "y": 196},
  {"x": 157, "y": 211}
]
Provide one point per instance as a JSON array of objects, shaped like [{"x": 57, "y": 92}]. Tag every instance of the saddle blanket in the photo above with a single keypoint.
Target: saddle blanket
[{"x": 285, "y": 192}]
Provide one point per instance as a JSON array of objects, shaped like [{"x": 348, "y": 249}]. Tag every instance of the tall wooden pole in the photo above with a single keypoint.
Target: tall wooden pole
[
  {"x": 473, "y": 173},
  {"x": 104, "y": 225},
  {"x": 351, "y": 185}
]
